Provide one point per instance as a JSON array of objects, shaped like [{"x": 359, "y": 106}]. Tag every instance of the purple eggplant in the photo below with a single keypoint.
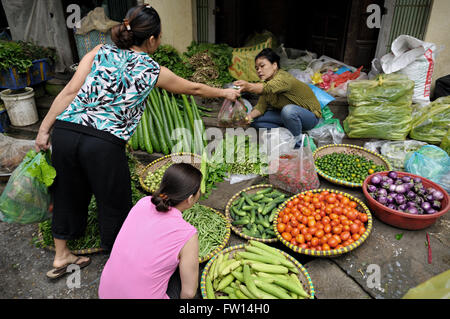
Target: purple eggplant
[
  {"x": 392, "y": 206},
  {"x": 431, "y": 211},
  {"x": 392, "y": 188},
  {"x": 393, "y": 175},
  {"x": 402, "y": 208},
  {"x": 411, "y": 195},
  {"x": 382, "y": 192},
  {"x": 371, "y": 188},
  {"x": 400, "y": 199},
  {"x": 426, "y": 206},
  {"x": 382, "y": 200},
  {"x": 417, "y": 180},
  {"x": 376, "y": 180},
  {"x": 437, "y": 205},
  {"x": 411, "y": 204},
  {"x": 412, "y": 210},
  {"x": 438, "y": 195},
  {"x": 400, "y": 189}
]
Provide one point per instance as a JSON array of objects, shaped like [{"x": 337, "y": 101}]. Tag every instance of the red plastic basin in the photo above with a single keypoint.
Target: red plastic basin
[{"x": 405, "y": 220}]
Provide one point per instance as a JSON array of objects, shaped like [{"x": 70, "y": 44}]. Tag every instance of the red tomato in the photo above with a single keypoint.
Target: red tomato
[
  {"x": 314, "y": 241},
  {"x": 363, "y": 217},
  {"x": 281, "y": 227},
  {"x": 355, "y": 237},
  {"x": 312, "y": 223},
  {"x": 287, "y": 236},
  {"x": 312, "y": 230},
  {"x": 295, "y": 232},
  {"x": 308, "y": 237},
  {"x": 362, "y": 230},
  {"x": 345, "y": 235},
  {"x": 332, "y": 242},
  {"x": 337, "y": 230},
  {"x": 300, "y": 239},
  {"x": 325, "y": 247},
  {"x": 327, "y": 228},
  {"x": 319, "y": 234},
  {"x": 354, "y": 228}
]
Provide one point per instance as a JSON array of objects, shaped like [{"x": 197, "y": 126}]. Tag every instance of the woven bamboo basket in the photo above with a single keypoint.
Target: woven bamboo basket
[
  {"x": 224, "y": 242},
  {"x": 334, "y": 252},
  {"x": 189, "y": 158},
  {"x": 237, "y": 229},
  {"x": 303, "y": 275},
  {"x": 351, "y": 150}
]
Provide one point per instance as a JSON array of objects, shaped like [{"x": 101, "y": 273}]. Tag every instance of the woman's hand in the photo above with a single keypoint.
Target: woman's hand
[
  {"x": 42, "y": 142},
  {"x": 244, "y": 86},
  {"x": 231, "y": 94}
]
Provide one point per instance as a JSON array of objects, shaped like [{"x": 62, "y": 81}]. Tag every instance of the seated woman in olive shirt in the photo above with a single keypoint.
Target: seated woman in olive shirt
[{"x": 284, "y": 101}]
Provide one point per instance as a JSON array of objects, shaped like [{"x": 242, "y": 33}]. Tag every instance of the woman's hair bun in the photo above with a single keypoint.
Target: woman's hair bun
[
  {"x": 162, "y": 204},
  {"x": 122, "y": 37}
]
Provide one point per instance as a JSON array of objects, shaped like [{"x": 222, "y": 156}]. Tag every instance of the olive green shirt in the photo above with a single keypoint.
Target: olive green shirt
[{"x": 284, "y": 89}]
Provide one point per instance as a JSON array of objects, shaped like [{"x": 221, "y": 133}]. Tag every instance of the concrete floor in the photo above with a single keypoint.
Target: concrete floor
[{"x": 401, "y": 264}]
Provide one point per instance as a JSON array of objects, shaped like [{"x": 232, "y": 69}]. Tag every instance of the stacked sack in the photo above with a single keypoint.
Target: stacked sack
[{"x": 380, "y": 108}]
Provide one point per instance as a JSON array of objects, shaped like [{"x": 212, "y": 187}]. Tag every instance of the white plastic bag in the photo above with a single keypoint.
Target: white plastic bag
[
  {"x": 415, "y": 59},
  {"x": 12, "y": 152}
]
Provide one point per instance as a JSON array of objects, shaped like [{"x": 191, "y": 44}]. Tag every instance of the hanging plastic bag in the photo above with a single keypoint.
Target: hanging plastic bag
[
  {"x": 232, "y": 114},
  {"x": 380, "y": 109},
  {"x": 430, "y": 162},
  {"x": 431, "y": 123},
  {"x": 294, "y": 170},
  {"x": 12, "y": 152},
  {"x": 26, "y": 198}
]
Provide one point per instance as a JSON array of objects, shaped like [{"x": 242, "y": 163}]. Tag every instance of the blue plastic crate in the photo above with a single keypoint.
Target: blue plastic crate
[{"x": 39, "y": 72}]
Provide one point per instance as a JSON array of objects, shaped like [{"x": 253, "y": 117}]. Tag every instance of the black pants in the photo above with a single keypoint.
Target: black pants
[{"x": 87, "y": 165}]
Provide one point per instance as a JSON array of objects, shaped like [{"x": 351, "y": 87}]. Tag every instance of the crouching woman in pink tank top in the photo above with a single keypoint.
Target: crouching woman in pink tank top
[{"x": 155, "y": 240}]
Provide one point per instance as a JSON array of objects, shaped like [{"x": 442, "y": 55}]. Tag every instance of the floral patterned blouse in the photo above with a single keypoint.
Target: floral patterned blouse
[{"x": 112, "y": 99}]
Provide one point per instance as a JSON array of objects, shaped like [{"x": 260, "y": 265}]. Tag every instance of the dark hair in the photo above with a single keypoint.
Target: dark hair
[
  {"x": 143, "y": 22},
  {"x": 270, "y": 55},
  {"x": 178, "y": 183}
]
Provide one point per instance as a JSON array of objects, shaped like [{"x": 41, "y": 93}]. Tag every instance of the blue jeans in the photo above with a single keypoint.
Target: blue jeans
[{"x": 293, "y": 117}]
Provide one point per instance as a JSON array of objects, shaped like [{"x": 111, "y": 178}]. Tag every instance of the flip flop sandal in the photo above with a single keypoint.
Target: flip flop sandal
[{"x": 61, "y": 271}]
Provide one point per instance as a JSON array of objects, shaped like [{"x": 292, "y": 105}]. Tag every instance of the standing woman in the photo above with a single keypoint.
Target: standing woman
[
  {"x": 284, "y": 101},
  {"x": 93, "y": 118}
]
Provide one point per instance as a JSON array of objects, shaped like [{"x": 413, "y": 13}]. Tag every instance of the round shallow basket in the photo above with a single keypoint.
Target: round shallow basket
[
  {"x": 303, "y": 275},
  {"x": 86, "y": 251},
  {"x": 333, "y": 252},
  {"x": 404, "y": 220},
  {"x": 189, "y": 158},
  {"x": 238, "y": 230},
  {"x": 351, "y": 150},
  {"x": 225, "y": 239}
]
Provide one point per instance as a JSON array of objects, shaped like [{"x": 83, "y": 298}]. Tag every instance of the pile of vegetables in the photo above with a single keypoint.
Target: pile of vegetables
[
  {"x": 253, "y": 214},
  {"x": 321, "y": 221},
  {"x": 189, "y": 64},
  {"x": 380, "y": 108},
  {"x": 91, "y": 238},
  {"x": 211, "y": 228},
  {"x": 432, "y": 123},
  {"x": 347, "y": 167},
  {"x": 153, "y": 179},
  {"x": 258, "y": 272},
  {"x": 232, "y": 155},
  {"x": 405, "y": 194},
  {"x": 163, "y": 115}
]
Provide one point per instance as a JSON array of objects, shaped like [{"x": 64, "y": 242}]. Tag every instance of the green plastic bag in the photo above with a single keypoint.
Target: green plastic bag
[
  {"x": 26, "y": 198},
  {"x": 432, "y": 122},
  {"x": 445, "y": 145},
  {"x": 380, "y": 109},
  {"x": 437, "y": 287}
]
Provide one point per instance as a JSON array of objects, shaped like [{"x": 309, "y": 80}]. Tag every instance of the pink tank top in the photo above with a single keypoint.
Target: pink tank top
[{"x": 145, "y": 253}]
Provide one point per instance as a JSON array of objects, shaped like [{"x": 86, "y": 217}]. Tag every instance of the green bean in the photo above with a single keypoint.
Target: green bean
[{"x": 211, "y": 228}]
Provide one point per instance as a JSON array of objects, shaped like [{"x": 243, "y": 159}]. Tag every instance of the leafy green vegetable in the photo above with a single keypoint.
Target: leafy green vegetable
[
  {"x": 398, "y": 236},
  {"x": 42, "y": 171}
]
